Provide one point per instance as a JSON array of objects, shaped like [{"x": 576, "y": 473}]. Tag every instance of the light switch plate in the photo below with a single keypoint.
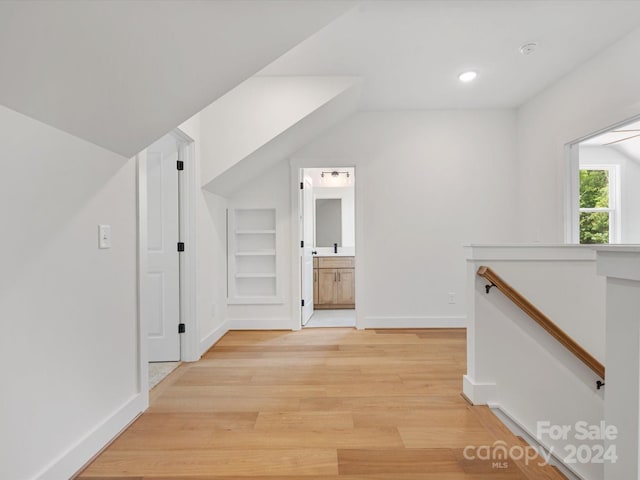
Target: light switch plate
[{"x": 104, "y": 236}]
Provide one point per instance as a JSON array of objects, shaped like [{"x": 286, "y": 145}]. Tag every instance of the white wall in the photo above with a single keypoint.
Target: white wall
[
  {"x": 629, "y": 170},
  {"x": 602, "y": 92},
  {"x": 272, "y": 190},
  {"x": 211, "y": 244},
  {"x": 427, "y": 183},
  {"x": 68, "y": 310}
]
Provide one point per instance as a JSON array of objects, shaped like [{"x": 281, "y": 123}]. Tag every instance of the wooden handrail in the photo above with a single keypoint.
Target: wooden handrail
[{"x": 541, "y": 319}]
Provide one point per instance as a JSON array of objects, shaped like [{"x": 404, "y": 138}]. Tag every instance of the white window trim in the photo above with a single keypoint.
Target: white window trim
[{"x": 615, "y": 228}]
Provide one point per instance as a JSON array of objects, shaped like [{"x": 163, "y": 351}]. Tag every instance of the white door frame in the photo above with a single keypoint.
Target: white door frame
[
  {"x": 571, "y": 194},
  {"x": 187, "y": 214},
  {"x": 306, "y": 201},
  {"x": 296, "y": 280},
  {"x": 189, "y": 343}
]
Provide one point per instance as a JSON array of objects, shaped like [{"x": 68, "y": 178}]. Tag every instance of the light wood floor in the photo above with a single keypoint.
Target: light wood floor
[{"x": 317, "y": 404}]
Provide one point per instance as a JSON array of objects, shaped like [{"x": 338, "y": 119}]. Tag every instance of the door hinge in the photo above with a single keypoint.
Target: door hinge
[
  {"x": 301, "y": 185},
  {"x": 181, "y": 246},
  {"x": 301, "y": 243},
  {"x": 180, "y": 165},
  {"x": 181, "y": 328},
  {"x": 302, "y": 302}
]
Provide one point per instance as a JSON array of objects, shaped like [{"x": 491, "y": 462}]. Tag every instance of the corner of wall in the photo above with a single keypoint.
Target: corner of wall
[
  {"x": 212, "y": 338},
  {"x": 76, "y": 458},
  {"x": 478, "y": 393}
]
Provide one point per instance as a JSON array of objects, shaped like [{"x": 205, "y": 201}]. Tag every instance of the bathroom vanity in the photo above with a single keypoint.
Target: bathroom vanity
[{"x": 334, "y": 282}]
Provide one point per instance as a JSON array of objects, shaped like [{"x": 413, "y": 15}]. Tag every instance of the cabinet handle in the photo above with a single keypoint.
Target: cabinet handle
[
  {"x": 338, "y": 276},
  {"x": 335, "y": 276}
]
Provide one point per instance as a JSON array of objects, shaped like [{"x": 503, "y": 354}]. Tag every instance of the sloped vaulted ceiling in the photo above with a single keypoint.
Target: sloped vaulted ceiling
[
  {"x": 121, "y": 74},
  {"x": 266, "y": 119}
]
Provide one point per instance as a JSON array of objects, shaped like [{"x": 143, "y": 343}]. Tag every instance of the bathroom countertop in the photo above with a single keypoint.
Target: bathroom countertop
[{"x": 342, "y": 252}]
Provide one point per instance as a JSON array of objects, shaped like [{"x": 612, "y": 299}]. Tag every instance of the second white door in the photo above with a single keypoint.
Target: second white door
[{"x": 162, "y": 298}]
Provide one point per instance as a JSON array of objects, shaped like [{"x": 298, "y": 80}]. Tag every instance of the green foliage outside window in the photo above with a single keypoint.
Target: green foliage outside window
[{"x": 594, "y": 193}]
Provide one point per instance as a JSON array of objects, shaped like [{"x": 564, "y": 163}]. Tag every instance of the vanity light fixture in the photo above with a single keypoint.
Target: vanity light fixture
[
  {"x": 468, "y": 76},
  {"x": 335, "y": 174}
]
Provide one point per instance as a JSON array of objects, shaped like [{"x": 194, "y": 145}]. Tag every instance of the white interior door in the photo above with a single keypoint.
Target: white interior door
[
  {"x": 306, "y": 261},
  {"x": 162, "y": 295}
]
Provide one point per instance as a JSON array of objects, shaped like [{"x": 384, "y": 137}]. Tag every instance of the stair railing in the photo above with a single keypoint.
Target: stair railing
[{"x": 541, "y": 319}]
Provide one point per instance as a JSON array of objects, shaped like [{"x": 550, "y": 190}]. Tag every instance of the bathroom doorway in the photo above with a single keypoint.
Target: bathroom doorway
[{"x": 327, "y": 247}]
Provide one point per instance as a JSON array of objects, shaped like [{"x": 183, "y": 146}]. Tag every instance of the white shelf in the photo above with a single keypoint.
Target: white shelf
[
  {"x": 255, "y": 275},
  {"x": 255, "y": 232},
  {"x": 252, "y": 262},
  {"x": 256, "y": 253},
  {"x": 254, "y": 301}
]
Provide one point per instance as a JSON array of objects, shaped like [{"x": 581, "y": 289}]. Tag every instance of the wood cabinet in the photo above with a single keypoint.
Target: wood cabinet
[
  {"x": 334, "y": 282},
  {"x": 346, "y": 294}
]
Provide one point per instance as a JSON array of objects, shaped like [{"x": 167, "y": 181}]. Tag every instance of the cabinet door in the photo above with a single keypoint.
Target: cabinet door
[
  {"x": 346, "y": 294},
  {"x": 327, "y": 286},
  {"x": 315, "y": 286}
]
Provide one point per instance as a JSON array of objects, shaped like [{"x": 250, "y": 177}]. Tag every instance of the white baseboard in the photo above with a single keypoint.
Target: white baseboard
[
  {"x": 207, "y": 342},
  {"x": 520, "y": 430},
  {"x": 259, "y": 324},
  {"x": 478, "y": 393},
  {"x": 458, "y": 321},
  {"x": 369, "y": 322},
  {"x": 78, "y": 455}
]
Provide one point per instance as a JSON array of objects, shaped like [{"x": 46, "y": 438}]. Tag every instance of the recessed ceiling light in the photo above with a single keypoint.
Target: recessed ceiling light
[{"x": 467, "y": 76}]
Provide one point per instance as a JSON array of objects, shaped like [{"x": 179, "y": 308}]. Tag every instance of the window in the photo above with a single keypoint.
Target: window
[{"x": 598, "y": 205}]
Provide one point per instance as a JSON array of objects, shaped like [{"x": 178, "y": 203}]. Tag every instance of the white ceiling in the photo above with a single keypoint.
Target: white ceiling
[
  {"x": 121, "y": 74},
  {"x": 617, "y": 135},
  {"x": 410, "y": 52},
  {"x": 625, "y": 139}
]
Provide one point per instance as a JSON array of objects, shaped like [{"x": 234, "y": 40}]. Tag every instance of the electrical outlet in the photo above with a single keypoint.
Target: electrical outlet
[{"x": 452, "y": 297}]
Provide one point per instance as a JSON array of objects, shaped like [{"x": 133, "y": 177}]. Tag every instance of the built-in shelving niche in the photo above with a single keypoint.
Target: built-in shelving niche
[{"x": 252, "y": 256}]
